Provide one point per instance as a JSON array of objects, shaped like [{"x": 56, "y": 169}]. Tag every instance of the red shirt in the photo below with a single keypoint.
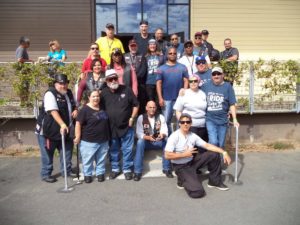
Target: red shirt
[{"x": 86, "y": 66}]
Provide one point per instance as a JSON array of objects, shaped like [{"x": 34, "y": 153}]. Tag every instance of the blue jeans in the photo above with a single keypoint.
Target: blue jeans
[
  {"x": 46, "y": 165},
  {"x": 141, "y": 146},
  {"x": 58, "y": 145},
  {"x": 91, "y": 152},
  {"x": 126, "y": 144},
  {"x": 168, "y": 113},
  {"x": 216, "y": 133}
]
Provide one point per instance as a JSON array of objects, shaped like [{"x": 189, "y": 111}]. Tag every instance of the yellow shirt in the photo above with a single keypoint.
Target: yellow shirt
[{"x": 106, "y": 46}]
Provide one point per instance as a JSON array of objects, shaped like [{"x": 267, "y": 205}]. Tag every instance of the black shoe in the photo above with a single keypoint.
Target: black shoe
[
  {"x": 113, "y": 175},
  {"x": 168, "y": 173},
  {"x": 101, "y": 178},
  {"x": 137, "y": 176},
  {"x": 128, "y": 176},
  {"x": 49, "y": 179},
  {"x": 198, "y": 171},
  {"x": 221, "y": 186},
  {"x": 88, "y": 179}
]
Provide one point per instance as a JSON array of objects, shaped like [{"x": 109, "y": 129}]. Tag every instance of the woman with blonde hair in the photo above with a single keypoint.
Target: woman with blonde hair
[{"x": 56, "y": 53}]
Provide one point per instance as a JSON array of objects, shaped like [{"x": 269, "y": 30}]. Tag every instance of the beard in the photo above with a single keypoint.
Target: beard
[{"x": 113, "y": 86}]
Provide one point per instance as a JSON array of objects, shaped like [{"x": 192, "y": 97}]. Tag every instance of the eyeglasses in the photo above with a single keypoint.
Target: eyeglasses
[
  {"x": 173, "y": 39},
  {"x": 172, "y": 53},
  {"x": 200, "y": 62},
  {"x": 193, "y": 81},
  {"x": 185, "y": 122},
  {"x": 94, "y": 48},
  {"x": 215, "y": 74},
  {"x": 52, "y": 44},
  {"x": 188, "y": 46},
  {"x": 112, "y": 79},
  {"x": 198, "y": 38}
]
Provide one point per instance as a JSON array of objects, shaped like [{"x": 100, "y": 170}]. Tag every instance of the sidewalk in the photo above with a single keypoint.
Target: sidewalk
[{"x": 269, "y": 195}]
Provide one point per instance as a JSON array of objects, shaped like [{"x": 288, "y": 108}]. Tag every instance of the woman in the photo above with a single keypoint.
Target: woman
[
  {"x": 154, "y": 59},
  {"x": 92, "y": 132},
  {"x": 193, "y": 102},
  {"x": 126, "y": 72},
  {"x": 56, "y": 53},
  {"x": 93, "y": 80}
]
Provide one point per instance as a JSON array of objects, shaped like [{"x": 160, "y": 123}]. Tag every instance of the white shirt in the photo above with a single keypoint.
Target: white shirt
[
  {"x": 178, "y": 142},
  {"x": 190, "y": 63},
  {"x": 140, "y": 129}
]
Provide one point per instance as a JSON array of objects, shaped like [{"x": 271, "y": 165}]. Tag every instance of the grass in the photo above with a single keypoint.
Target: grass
[{"x": 281, "y": 145}]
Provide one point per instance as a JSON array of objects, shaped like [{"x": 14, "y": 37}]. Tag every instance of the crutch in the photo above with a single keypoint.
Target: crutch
[{"x": 65, "y": 189}]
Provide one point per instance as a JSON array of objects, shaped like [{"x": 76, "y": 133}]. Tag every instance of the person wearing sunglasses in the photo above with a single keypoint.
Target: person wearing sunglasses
[
  {"x": 56, "y": 53},
  {"x": 186, "y": 160},
  {"x": 171, "y": 77},
  {"x": 188, "y": 58},
  {"x": 122, "y": 107},
  {"x": 200, "y": 49},
  {"x": 220, "y": 100},
  {"x": 93, "y": 54},
  {"x": 203, "y": 72},
  {"x": 174, "y": 41},
  {"x": 194, "y": 103}
]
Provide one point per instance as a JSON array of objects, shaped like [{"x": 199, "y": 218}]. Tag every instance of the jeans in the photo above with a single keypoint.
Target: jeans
[
  {"x": 91, "y": 152},
  {"x": 141, "y": 146},
  {"x": 216, "y": 133},
  {"x": 168, "y": 114},
  {"x": 126, "y": 144},
  {"x": 58, "y": 145},
  {"x": 46, "y": 165}
]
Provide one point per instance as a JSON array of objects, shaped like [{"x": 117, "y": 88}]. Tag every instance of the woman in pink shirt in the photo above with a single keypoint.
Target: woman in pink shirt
[{"x": 126, "y": 72}]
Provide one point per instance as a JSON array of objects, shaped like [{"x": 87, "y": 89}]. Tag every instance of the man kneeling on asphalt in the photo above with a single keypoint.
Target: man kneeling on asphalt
[
  {"x": 186, "y": 160},
  {"x": 151, "y": 131}
]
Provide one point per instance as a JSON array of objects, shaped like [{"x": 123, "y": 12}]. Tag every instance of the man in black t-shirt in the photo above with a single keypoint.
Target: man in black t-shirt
[
  {"x": 143, "y": 38},
  {"x": 121, "y": 106}
]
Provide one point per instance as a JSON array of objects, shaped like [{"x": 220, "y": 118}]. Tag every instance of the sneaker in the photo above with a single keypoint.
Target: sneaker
[
  {"x": 137, "y": 176},
  {"x": 88, "y": 179},
  {"x": 179, "y": 186},
  {"x": 221, "y": 186},
  {"x": 101, "y": 178},
  {"x": 128, "y": 176},
  {"x": 49, "y": 179},
  {"x": 206, "y": 172},
  {"x": 114, "y": 174},
  {"x": 168, "y": 173}
]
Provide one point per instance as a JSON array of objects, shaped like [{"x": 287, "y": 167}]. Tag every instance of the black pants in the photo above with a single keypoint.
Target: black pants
[
  {"x": 201, "y": 132},
  {"x": 142, "y": 98},
  {"x": 152, "y": 95},
  {"x": 188, "y": 178}
]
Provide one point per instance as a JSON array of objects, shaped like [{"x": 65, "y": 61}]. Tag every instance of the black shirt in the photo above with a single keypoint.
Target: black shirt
[
  {"x": 118, "y": 105},
  {"x": 142, "y": 43},
  {"x": 94, "y": 125}
]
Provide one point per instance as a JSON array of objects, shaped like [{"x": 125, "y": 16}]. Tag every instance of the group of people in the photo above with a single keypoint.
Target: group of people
[{"x": 144, "y": 86}]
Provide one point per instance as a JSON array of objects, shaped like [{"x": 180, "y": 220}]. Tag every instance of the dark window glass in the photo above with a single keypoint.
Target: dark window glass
[
  {"x": 156, "y": 14},
  {"x": 105, "y": 1},
  {"x": 104, "y": 14},
  {"x": 129, "y": 16},
  {"x": 179, "y": 19},
  {"x": 178, "y": 1}
]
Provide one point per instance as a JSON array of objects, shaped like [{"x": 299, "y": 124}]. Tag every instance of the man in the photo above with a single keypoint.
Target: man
[
  {"x": 108, "y": 43},
  {"x": 203, "y": 71},
  {"x": 170, "y": 78},
  {"x": 121, "y": 106},
  {"x": 199, "y": 48},
  {"x": 151, "y": 131},
  {"x": 21, "y": 52},
  {"x": 186, "y": 160},
  {"x": 220, "y": 99},
  {"x": 208, "y": 45},
  {"x": 138, "y": 62},
  {"x": 56, "y": 119},
  {"x": 143, "y": 38},
  {"x": 179, "y": 46},
  {"x": 159, "y": 37},
  {"x": 229, "y": 54},
  {"x": 188, "y": 59}
]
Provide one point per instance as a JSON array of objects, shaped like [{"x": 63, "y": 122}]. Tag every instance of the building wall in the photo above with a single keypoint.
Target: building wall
[
  {"x": 69, "y": 21},
  {"x": 266, "y": 29}
]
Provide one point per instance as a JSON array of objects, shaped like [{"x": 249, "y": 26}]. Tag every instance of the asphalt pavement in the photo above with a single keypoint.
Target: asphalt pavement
[{"x": 269, "y": 195}]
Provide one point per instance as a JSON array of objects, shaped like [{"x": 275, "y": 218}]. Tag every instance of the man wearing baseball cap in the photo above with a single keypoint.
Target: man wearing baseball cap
[
  {"x": 200, "y": 49},
  {"x": 108, "y": 43},
  {"x": 203, "y": 71},
  {"x": 208, "y": 45},
  {"x": 220, "y": 100}
]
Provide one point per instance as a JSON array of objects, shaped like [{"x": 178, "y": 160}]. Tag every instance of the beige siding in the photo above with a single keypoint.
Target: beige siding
[{"x": 268, "y": 29}]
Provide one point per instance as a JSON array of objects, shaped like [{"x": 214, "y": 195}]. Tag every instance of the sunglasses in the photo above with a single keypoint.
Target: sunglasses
[
  {"x": 173, "y": 39},
  {"x": 172, "y": 53},
  {"x": 185, "y": 122},
  {"x": 201, "y": 63},
  {"x": 215, "y": 74},
  {"x": 188, "y": 46},
  {"x": 198, "y": 38},
  {"x": 193, "y": 81},
  {"x": 112, "y": 79},
  {"x": 94, "y": 48},
  {"x": 52, "y": 44}
]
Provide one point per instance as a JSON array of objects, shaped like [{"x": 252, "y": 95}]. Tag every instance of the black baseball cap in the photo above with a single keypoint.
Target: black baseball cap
[
  {"x": 110, "y": 25},
  {"x": 205, "y": 32},
  {"x": 144, "y": 22}
]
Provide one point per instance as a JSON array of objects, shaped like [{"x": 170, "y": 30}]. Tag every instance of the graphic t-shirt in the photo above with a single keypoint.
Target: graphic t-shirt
[{"x": 153, "y": 61}]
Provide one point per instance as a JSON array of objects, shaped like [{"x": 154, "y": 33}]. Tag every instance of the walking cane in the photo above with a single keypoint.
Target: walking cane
[
  {"x": 65, "y": 189},
  {"x": 78, "y": 181},
  {"x": 236, "y": 181}
]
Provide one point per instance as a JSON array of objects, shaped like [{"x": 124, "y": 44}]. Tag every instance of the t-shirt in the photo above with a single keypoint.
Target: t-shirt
[
  {"x": 153, "y": 62},
  {"x": 219, "y": 99},
  {"x": 57, "y": 55},
  {"x": 189, "y": 62},
  {"x": 205, "y": 77},
  {"x": 86, "y": 66},
  {"x": 142, "y": 43},
  {"x": 172, "y": 79},
  {"x": 177, "y": 143},
  {"x": 227, "y": 53},
  {"x": 21, "y": 53},
  {"x": 106, "y": 46},
  {"x": 94, "y": 125},
  {"x": 118, "y": 105},
  {"x": 194, "y": 104}
]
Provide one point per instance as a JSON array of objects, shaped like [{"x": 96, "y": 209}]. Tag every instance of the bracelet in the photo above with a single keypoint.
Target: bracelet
[
  {"x": 235, "y": 120},
  {"x": 131, "y": 118},
  {"x": 63, "y": 125},
  {"x": 224, "y": 153}
]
